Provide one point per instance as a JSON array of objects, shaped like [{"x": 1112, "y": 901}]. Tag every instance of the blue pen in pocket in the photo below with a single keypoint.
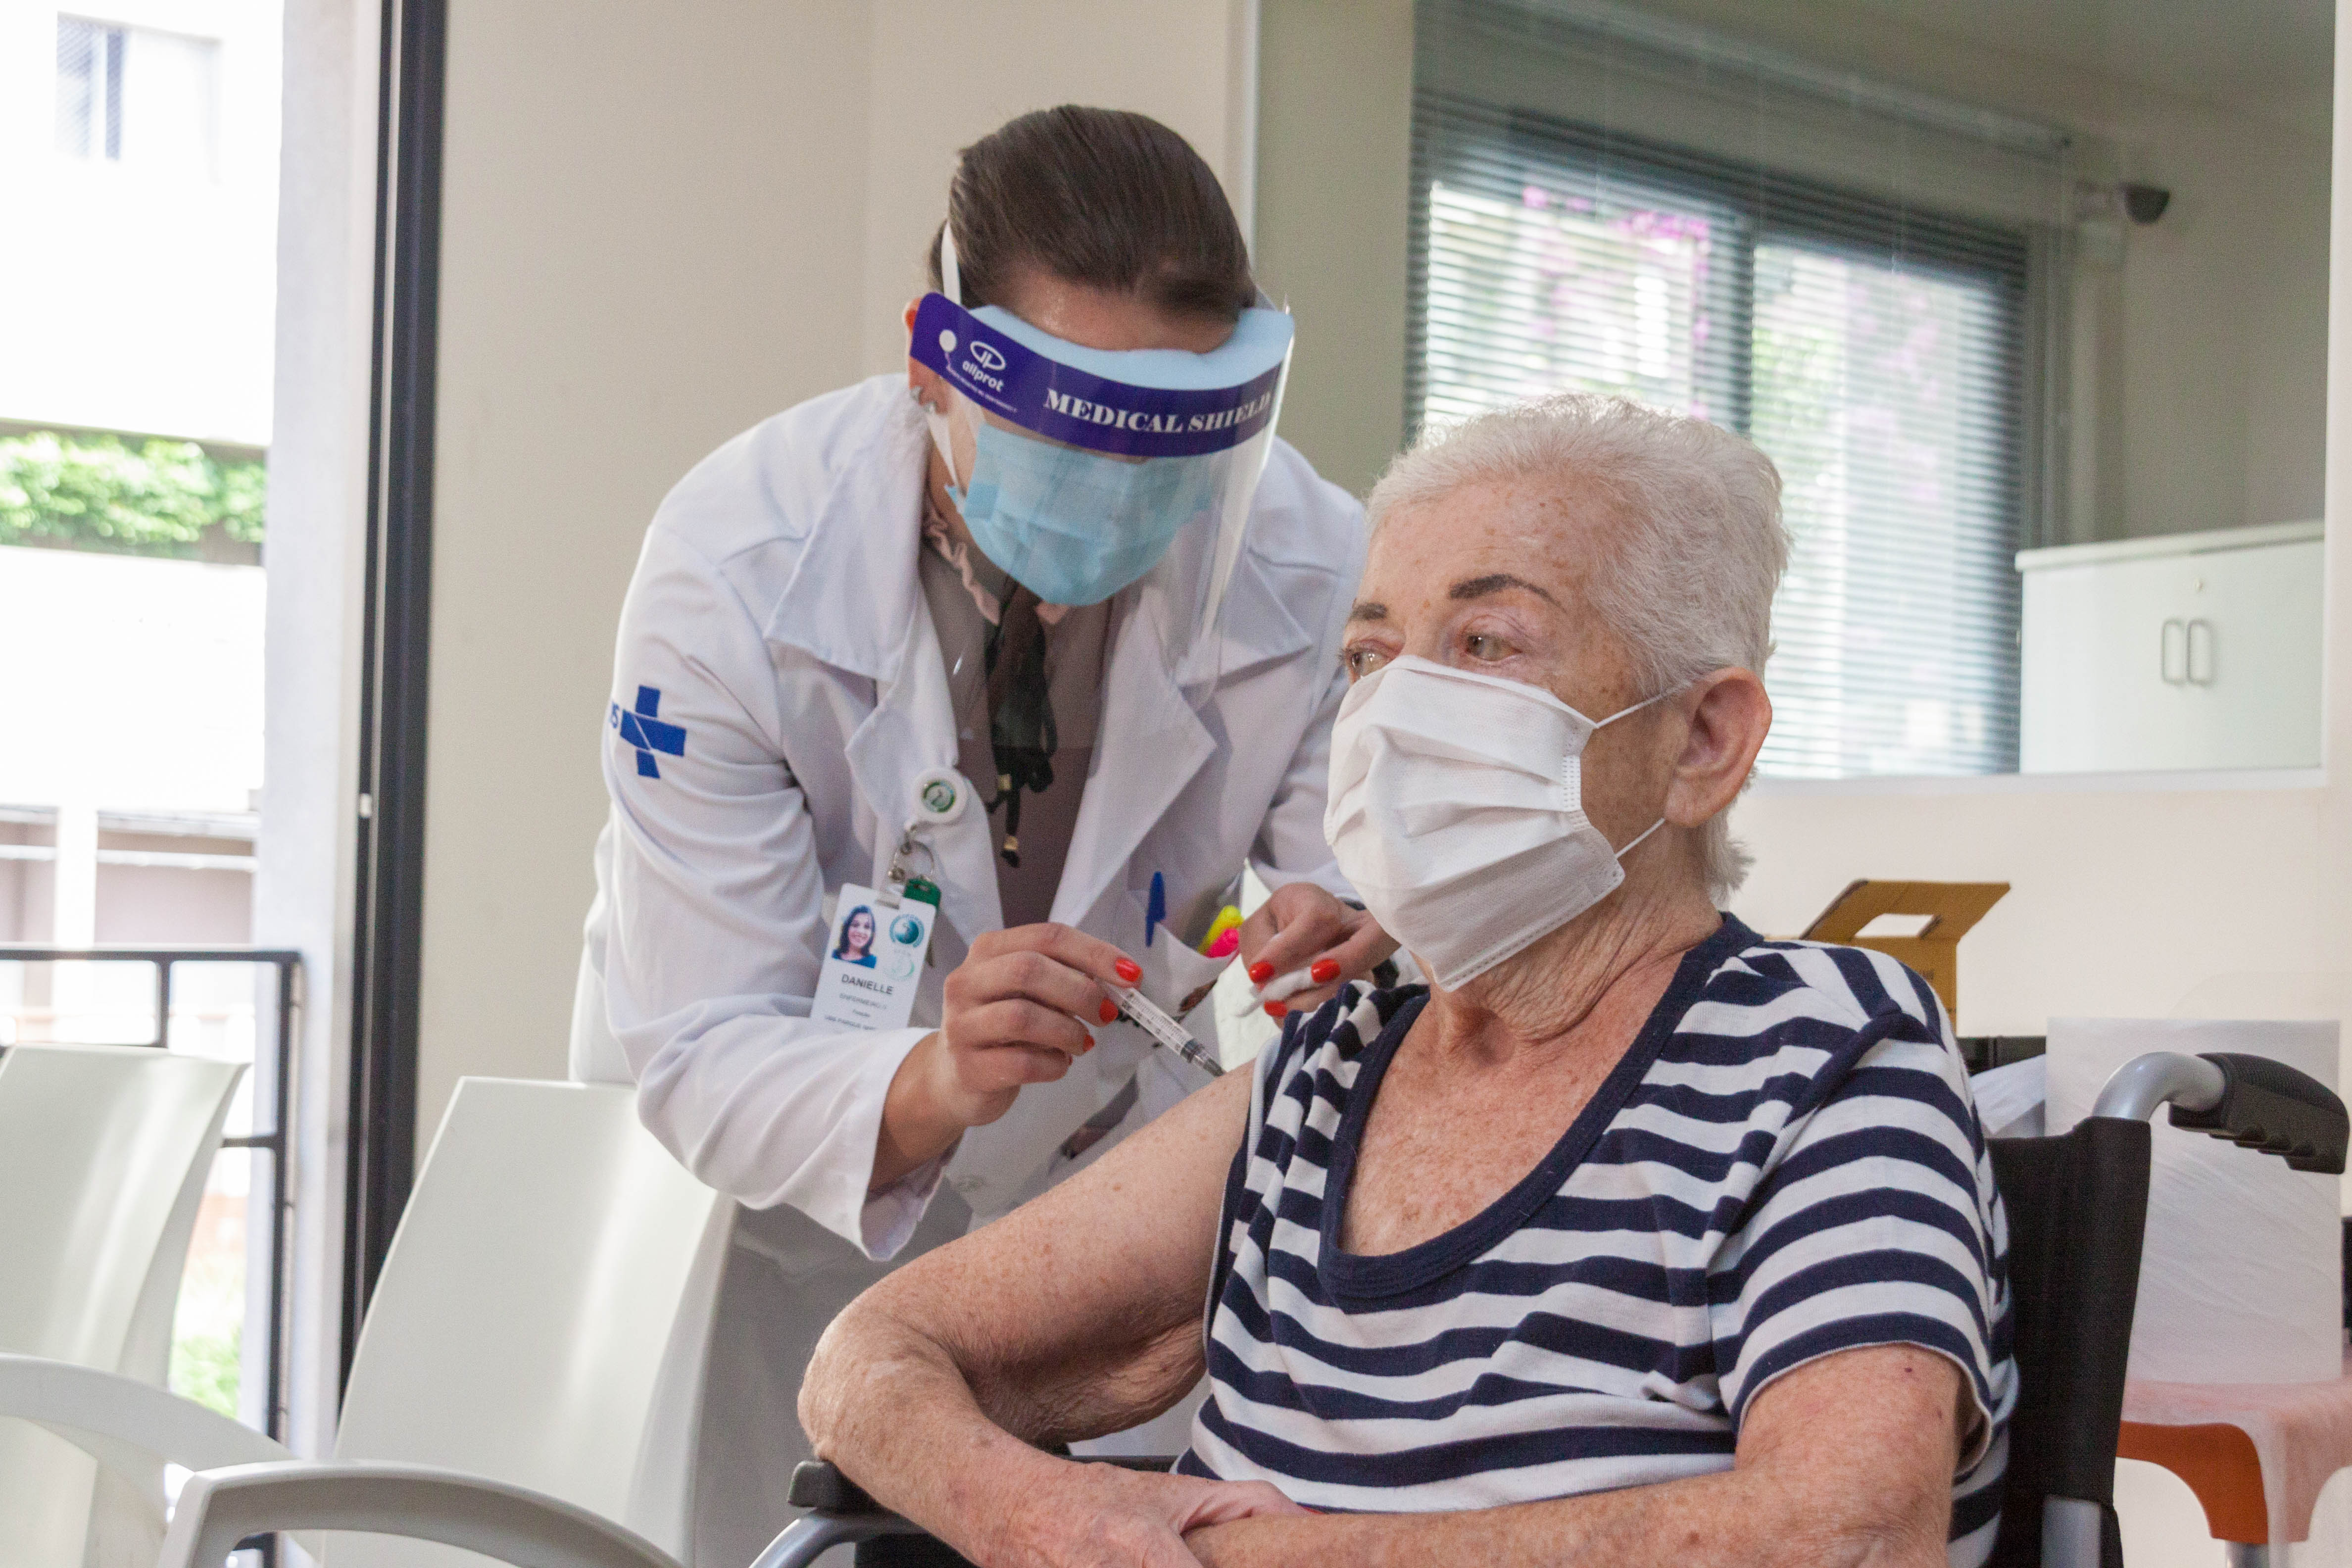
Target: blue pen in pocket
[{"x": 1155, "y": 908}]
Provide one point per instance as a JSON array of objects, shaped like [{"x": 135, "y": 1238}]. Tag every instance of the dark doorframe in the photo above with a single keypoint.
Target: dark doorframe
[{"x": 395, "y": 644}]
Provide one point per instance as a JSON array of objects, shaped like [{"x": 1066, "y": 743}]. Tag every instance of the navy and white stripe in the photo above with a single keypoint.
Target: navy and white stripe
[{"x": 1785, "y": 1164}]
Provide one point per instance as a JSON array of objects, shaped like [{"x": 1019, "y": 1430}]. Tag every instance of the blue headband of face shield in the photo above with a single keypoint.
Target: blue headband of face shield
[{"x": 1087, "y": 463}]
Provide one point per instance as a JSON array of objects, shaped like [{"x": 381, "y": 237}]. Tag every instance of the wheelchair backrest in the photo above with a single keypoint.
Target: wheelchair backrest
[{"x": 2077, "y": 1208}]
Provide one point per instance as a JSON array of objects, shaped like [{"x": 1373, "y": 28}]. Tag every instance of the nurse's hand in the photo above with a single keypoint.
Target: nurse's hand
[
  {"x": 1011, "y": 1018},
  {"x": 1302, "y": 926}
]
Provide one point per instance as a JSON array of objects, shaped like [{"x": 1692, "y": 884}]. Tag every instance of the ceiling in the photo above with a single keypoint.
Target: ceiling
[{"x": 2273, "y": 58}]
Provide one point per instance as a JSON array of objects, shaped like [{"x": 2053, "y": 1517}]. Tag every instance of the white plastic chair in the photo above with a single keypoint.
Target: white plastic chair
[
  {"x": 536, "y": 1343},
  {"x": 220, "y": 1508},
  {"x": 543, "y": 1315},
  {"x": 104, "y": 1152}
]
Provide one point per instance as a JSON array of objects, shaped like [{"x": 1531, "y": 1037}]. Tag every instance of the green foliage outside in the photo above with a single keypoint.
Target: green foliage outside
[
  {"x": 98, "y": 492},
  {"x": 208, "y": 1320},
  {"x": 205, "y": 1368}
]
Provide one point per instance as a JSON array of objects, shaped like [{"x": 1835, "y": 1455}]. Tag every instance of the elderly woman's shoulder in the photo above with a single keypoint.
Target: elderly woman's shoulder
[
  {"x": 1759, "y": 996},
  {"x": 1770, "y": 1031}
]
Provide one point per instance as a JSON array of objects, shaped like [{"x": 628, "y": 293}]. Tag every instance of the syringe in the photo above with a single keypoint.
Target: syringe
[{"x": 1153, "y": 1020}]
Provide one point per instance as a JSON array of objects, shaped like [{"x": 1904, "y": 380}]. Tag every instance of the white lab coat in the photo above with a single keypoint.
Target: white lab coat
[{"x": 778, "y": 613}]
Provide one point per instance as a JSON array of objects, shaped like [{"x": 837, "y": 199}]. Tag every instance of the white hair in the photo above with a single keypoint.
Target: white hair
[{"x": 1699, "y": 544}]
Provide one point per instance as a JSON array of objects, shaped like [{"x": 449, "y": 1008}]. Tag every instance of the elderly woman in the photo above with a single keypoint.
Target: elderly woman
[{"x": 1632, "y": 1239}]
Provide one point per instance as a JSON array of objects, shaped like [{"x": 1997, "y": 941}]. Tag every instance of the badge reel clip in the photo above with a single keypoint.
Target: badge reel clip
[{"x": 939, "y": 797}]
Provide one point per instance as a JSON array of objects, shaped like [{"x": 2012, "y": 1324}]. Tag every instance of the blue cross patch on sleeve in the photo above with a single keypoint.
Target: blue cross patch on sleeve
[{"x": 642, "y": 729}]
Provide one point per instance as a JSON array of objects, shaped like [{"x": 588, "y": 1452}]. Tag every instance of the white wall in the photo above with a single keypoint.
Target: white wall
[
  {"x": 1334, "y": 177},
  {"x": 142, "y": 297},
  {"x": 661, "y": 224},
  {"x": 651, "y": 238},
  {"x": 1170, "y": 61},
  {"x": 2122, "y": 898}
]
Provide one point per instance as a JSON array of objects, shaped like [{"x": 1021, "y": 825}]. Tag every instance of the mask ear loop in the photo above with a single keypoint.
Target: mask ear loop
[
  {"x": 1636, "y": 843},
  {"x": 1636, "y": 708}
]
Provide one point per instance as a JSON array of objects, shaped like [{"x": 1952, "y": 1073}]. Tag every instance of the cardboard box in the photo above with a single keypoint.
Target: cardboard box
[{"x": 1952, "y": 908}]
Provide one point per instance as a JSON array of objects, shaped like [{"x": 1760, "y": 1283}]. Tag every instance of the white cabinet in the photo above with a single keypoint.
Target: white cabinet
[{"x": 2194, "y": 650}]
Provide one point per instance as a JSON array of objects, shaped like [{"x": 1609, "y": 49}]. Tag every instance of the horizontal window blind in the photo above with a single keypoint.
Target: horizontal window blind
[{"x": 1876, "y": 349}]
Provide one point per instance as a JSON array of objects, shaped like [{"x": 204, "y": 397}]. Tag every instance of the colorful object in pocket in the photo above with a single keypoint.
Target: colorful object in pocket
[{"x": 1225, "y": 935}]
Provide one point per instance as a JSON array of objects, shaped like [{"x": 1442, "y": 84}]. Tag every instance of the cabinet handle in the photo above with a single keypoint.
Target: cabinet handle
[
  {"x": 2201, "y": 652},
  {"x": 2174, "y": 635}
]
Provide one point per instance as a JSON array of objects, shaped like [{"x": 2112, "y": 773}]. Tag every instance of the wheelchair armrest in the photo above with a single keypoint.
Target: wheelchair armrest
[
  {"x": 820, "y": 1486},
  {"x": 2269, "y": 1106},
  {"x": 844, "y": 1513}
]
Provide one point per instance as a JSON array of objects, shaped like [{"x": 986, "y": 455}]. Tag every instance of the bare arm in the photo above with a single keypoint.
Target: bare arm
[
  {"x": 1075, "y": 1315},
  {"x": 1845, "y": 1463}
]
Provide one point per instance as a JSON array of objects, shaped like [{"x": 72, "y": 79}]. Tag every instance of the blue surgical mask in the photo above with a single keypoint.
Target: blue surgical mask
[{"x": 1074, "y": 527}]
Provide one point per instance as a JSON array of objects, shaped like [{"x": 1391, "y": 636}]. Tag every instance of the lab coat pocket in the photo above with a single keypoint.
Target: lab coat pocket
[{"x": 1175, "y": 977}]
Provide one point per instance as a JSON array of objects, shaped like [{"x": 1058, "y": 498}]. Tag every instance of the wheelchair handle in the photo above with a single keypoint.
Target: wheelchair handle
[
  {"x": 2253, "y": 1102},
  {"x": 2160, "y": 1077}
]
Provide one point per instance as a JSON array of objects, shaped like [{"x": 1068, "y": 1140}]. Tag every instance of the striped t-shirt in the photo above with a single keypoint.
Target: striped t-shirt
[{"x": 1785, "y": 1164}]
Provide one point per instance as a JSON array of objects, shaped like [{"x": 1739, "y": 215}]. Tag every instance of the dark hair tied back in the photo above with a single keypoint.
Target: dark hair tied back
[{"x": 1099, "y": 197}]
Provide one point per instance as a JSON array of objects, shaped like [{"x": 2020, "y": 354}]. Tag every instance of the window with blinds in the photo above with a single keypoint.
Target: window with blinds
[{"x": 1875, "y": 349}]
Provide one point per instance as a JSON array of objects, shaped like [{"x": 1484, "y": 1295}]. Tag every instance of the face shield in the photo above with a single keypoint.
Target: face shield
[{"x": 1081, "y": 471}]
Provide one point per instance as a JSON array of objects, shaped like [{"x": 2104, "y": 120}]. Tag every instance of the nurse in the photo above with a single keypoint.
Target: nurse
[{"x": 1022, "y": 653}]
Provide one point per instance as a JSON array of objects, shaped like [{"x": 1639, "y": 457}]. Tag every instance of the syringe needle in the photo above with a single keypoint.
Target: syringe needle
[{"x": 1153, "y": 1020}]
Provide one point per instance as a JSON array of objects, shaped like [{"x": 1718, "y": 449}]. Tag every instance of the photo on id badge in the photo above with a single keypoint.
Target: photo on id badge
[{"x": 873, "y": 959}]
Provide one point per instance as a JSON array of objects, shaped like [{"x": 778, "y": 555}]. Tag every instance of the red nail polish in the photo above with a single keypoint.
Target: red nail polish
[
  {"x": 1088, "y": 1046},
  {"x": 1128, "y": 970},
  {"x": 1326, "y": 971},
  {"x": 1277, "y": 1009},
  {"x": 1108, "y": 1012},
  {"x": 1260, "y": 972}
]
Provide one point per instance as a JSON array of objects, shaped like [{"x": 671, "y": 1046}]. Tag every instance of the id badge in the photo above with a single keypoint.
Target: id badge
[{"x": 873, "y": 959}]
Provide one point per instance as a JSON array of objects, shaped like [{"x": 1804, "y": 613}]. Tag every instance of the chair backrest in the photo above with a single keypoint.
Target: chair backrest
[
  {"x": 542, "y": 1314},
  {"x": 2077, "y": 1206},
  {"x": 104, "y": 1151}
]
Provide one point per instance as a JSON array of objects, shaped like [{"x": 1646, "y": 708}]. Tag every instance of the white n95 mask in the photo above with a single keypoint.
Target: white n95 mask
[{"x": 1456, "y": 809}]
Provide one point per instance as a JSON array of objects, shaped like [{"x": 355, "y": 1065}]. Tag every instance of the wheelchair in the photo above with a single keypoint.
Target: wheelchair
[{"x": 2077, "y": 1207}]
